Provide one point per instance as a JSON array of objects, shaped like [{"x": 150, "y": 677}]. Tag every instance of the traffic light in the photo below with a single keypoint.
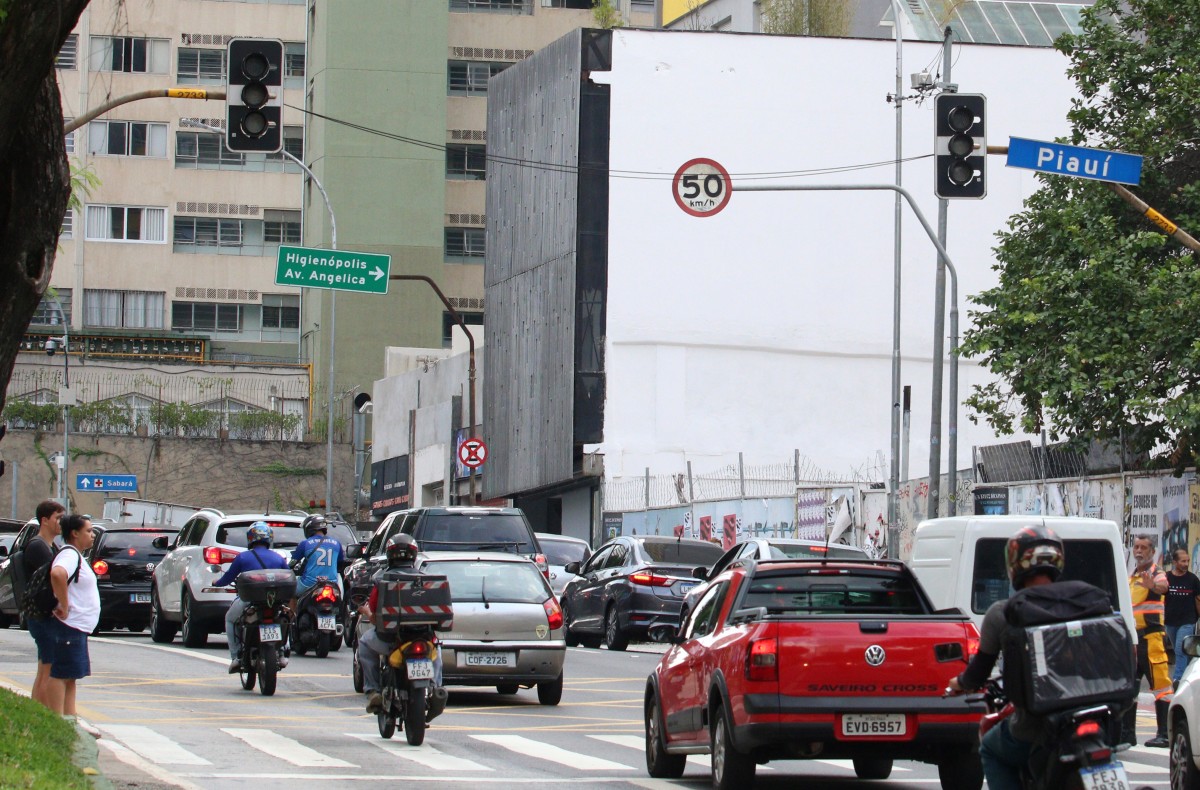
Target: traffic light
[
  {"x": 253, "y": 100},
  {"x": 960, "y": 145}
]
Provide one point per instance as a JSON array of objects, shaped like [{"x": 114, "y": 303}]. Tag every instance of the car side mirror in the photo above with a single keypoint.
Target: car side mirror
[
  {"x": 160, "y": 542},
  {"x": 354, "y": 551},
  {"x": 1191, "y": 646},
  {"x": 3, "y": 551},
  {"x": 572, "y": 568},
  {"x": 677, "y": 637},
  {"x": 700, "y": 572}
]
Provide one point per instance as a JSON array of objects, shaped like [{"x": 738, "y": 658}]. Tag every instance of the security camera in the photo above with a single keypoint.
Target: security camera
[{"x": 51, "y": 347}]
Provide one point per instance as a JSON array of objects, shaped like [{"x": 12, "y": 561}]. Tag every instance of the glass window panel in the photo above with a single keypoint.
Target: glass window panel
[
  {"x": 206, "y": 231},
  {"x": 181, "y": 315},
  {"x": 117, "y": 143},
  {"x": 68, "y": 54},
  {"x": 97, "y": 137},
  {"x": 1002, "y": 23},
  {"x": 1052, "y": 19},
  {"x": 1029, "y": 23},
  {"x": 204, "y": 316},
  {"x": 293, "y": 59},
  {"x": 138, "y": 55},
  {"x": 229, "y": 317},
  {"x": 1074, "y": 16},
  {"x": 116, "y": 219},
  {"x": 977, "y": 23},
  {"x": 134, "y": 223},
  {"x": 137, "y": 139}
]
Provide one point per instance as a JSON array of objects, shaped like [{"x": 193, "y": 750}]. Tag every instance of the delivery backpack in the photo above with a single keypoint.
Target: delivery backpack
[
  {"x": 1065, "y": 647},
  {"x": 40, "y": 601}
]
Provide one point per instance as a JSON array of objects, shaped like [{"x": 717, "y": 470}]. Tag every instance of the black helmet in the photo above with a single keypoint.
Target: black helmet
[
  {"x": 314, "y": 523},
  {"x": 1034, "y": 549},
  {"x": 401, "y": 551}
]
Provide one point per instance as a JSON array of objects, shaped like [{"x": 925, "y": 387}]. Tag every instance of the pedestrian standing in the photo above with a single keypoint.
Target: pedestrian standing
[
  {"x": 75, "y": 617},
  {"x": 1147, "y": 586},
  {"x": 39, "y": 551},
  {"x": 1182, "y": 606}
]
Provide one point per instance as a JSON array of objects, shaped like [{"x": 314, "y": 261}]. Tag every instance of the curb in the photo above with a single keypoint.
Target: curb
[{"x": 86, "y": 755}]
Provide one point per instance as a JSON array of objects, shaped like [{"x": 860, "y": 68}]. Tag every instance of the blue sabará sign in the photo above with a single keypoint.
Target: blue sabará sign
[
  {"x": 93, "y": 482},
  {"x": 1096, "y": 164}
]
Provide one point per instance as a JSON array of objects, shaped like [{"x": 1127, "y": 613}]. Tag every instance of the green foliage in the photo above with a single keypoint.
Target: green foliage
[
  {"x": 36, "y": 749},
  {"x": 808, "y": 17},
  {"x": 280, "y": 469},
  {"x": 173, "y": 419},
  {"x": 262, "y": 425},
  {"x": 83, "y": 181},
  {"x": 102, "y": 417},
  {"x": 607, "y": 14},
  {"x": 339, "y": 427},
  {"x": 1094, "y": 328},
  {"x": 23, "y": 413}
]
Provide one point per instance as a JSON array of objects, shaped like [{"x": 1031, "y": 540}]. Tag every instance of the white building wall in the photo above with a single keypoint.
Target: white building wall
[{"x": 768, "y": 327}]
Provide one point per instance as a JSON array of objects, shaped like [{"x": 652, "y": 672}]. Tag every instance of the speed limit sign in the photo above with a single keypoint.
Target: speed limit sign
[{"x": 702, "y": 187}]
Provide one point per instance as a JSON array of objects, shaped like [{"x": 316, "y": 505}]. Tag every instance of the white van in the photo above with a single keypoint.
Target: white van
[{"x": 960, "y": 560}]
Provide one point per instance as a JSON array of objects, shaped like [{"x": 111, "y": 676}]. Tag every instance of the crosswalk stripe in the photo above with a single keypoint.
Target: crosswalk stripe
[
  {"x": 424, "y": 754},
  {"x": 286, "y": 749},
  {"x": 545, "y": 751},
  {"x": 151, "y": 745}
]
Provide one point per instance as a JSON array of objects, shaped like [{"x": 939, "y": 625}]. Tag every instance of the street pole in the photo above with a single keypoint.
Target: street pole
[
  {"x": 939, "y": 325},
  {"x": 894, "y": 477}
]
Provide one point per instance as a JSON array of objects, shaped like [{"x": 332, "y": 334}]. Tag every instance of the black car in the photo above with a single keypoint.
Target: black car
[
  {"x": 123, "y": 558},
  {"x": 632, "y": 587},
  {"x": 9, "y": 614}
]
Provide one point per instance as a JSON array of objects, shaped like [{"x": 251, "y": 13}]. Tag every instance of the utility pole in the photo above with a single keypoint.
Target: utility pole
[{"x": 939, "y": 325}]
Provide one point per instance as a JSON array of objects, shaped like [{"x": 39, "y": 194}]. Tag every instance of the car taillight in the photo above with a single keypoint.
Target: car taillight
[
  {"x": 553, "y": 613},
  {"x": 100, "y": 567},
  {"x": 1087, "y": 728},
  {"x": 218, "y": 556},
  {"x": 972, "y": 646},
  {"x": 327, "y": 593},
  {"x": 651, "y": 579},
  {"x": 762, "y": 661},
  {"x": 543, "y": 564}
]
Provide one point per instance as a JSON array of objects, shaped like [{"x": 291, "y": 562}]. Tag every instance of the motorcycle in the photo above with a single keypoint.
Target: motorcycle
[
  {"x": 407, "y": 685},
  {"x": 263, "y": 626},
  {"x": 319, "y": 620}
]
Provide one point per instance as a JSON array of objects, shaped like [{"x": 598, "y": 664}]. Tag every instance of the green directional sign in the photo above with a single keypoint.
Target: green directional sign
[{"x": 338, "y": 270}]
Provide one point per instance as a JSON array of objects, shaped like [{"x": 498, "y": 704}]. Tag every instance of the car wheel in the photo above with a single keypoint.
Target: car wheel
[
  {"x": 872, "y": 767},
  {"x": 190, "y": 631},
  {"x": 731, "y": 770},
  {"x": 568, "y": 636},
  {"x": 613, "y": 638},
  {"x": 962, "y": 770},
  {"x": 507, "y": 688},
  {"x": 1184, "y": 775},
  {"x": 136, "y": 628},
  {"x": 659, "y": 764},
  {"x": 162, "y": 630},
  {"x": 550, "y": 691}
]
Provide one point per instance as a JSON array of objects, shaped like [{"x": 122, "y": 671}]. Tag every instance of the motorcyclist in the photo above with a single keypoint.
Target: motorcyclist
[
  {"x": 258, "y": 557},
  {"x": 401, "y": 556},
  {"x": 316, "y": 556},
  {"x": 1034, "y": 556}
]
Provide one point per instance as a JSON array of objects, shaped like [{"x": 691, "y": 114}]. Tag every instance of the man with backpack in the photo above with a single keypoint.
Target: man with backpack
[{"x": 39, "y": 551}]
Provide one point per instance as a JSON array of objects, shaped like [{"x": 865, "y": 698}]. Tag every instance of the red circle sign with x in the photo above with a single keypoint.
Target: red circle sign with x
[{"x": 472, "y": 453}]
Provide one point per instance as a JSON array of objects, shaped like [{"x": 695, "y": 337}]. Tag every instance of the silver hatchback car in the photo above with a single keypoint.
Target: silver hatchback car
[{"x": 507, "y": 628}]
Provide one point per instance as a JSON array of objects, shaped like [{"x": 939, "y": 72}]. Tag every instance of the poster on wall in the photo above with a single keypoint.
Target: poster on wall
[
  {"x": 1144, "y": 511},
  {"x": 389, "y": 485},
  {"x": 991, "y": 501},
  {"x": 1194, "y": 524},
  {"x": 612, "y": 525},
  {"x": 1175, "y": 515}
]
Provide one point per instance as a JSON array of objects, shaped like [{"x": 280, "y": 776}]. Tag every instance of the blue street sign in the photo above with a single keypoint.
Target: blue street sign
[
  {"x": 1073, "y": 160},
  {"x": 88, "y": 482}
]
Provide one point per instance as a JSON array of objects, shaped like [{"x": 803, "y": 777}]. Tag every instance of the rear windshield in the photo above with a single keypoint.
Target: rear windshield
[
  {"x": 282, "y": 537},
  {"x": 493, "y": 582},
  {"x": 560, "y": 552},
  {"x": 842, "y": 593},
  {"x": 680, "y": 553},
  {"x": 132, "y": 544},
  {"x": 481, "y": 532},
  {"x": 801, "y": 551},
  {"x": 1086, "y": 560}
]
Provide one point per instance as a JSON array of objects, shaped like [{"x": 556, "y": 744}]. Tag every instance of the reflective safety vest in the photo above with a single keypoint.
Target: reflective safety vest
[{"x": 1148, "y": 606}]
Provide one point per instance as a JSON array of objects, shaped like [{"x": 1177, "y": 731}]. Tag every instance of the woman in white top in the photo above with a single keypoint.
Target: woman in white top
[{"x": 76, "y": 615}]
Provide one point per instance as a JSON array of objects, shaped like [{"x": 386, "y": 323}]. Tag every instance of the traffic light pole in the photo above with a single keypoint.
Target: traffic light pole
[{"x": 939, "y": 319}]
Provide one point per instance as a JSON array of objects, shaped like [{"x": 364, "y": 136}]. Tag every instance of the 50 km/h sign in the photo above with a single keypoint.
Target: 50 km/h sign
[
  {"x": 338, "y": 270},
  {"x": 702, "y": 187}
]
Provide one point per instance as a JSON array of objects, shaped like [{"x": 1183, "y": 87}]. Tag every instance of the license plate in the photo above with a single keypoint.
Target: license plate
[
  {"x": 683, "y": 588},
  {"x": 326, "y": 622},
  {"x": 139, "y": 597},
  {"x": 873, "y": 724},
  {"x": 490, "y": 659},
  {"x": 270, "y": 633},
  {"x": 1104, "y": 777},
  {"x": 419, "y": 669}
]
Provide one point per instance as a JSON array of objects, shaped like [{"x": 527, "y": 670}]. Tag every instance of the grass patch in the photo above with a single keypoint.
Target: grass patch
[{"x": 36, "y": 749}]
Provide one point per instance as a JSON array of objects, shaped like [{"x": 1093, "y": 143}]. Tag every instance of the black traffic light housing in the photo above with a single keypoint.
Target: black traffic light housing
[
  {"x": 253, "y": 96},
  {"x": 960, "y": 145}
]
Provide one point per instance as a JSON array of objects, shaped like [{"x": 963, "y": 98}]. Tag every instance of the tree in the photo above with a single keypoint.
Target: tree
[
  {"x": 808, "y": 17},
  {"x": 1093, "y": 331},
  {"x": 35, "y": 179}
]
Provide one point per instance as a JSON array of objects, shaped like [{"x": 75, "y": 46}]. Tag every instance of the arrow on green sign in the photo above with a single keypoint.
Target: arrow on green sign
[{"x": 337, "y": 270}]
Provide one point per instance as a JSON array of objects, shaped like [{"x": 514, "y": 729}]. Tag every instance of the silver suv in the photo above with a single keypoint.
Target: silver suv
[{"x": 183, "y": 598}]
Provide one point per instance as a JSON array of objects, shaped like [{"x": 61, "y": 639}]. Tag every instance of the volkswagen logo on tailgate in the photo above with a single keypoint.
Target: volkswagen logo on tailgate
[{"x": 875, "y": 655}]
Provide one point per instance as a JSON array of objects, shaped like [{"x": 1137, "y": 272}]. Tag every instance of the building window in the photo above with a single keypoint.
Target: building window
[
  {"x": 126, "y": 223},
  {"x": 68, "y": 225},
  {"x": 68, "y": 56},
  {"x": 129, "y": 54},
  {"x": 201, "y": 66},
  {"x": 469, "y": 78},
  {"x": 193, "y": 233},
  {"x": 293, "y": 143},
  {"x": 207, "y": 151},
  {"x": 206, "y": 316},
  {"x": 127, "y": 138},
  {"x": 466, "y": 161},
  {"x": 448, "y": 325},
  {"x": 48, "y": 312},
  {"x": 281, "y": 227},
  {"x": 69, "y": 137},
  {"x": 501, "y": 6},
  {"x": 585, "y": 5},
  {"x": 280, "y": 312},
  {"x": 293, "y": 59},
  {"x": 123, "y": 309},
  {"x": 464, "y": 245}
]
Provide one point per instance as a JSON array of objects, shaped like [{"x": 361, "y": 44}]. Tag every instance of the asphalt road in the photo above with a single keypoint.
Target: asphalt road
[{"x": 171, "y": 716}]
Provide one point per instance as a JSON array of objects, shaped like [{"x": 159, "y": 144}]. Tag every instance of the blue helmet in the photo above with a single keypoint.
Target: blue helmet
[{"x": 259, "y": 532}]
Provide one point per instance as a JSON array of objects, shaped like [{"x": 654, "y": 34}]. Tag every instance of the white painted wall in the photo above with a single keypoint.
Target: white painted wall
[{"x": 768, "y": 327}]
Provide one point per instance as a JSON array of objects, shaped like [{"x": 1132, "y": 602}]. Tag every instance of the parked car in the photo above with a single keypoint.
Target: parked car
[
  {"x": 561, "y": 550},
  {"x": 6, "y": 543},
  {"x": 508, "y": 627},
  {"x": 809, "y": 659},
  {"x": 768, "y": 549},
  {"x": 9, "y": 611},
  {"x": 123, "y": 558},
  {"x": 1183, "y": 723},
  {"x": 631, "y": 588},
  {"x": 182, "y": 596}
]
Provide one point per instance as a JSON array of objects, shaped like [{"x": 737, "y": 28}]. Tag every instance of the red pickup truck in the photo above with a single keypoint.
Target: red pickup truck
[{"x": 829, "y": 659}]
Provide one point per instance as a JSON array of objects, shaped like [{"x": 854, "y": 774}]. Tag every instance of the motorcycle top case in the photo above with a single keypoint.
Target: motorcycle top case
[
  {"x": 269, "y": 586},
  {"x": 412, "y": 600}
]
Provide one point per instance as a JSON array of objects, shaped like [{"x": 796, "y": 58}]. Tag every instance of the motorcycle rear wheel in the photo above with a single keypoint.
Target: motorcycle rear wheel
[
  {"x": 357, "y": 676},
  {"x": 248, "y": 673},
  {"x": 387, "y": 724},
  {"x": 414, "y": 717},
  {"x": 270, "y": 666},
  {"x": 322, "y": 648}
]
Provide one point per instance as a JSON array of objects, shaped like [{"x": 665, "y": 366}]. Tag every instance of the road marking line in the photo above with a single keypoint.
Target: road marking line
[
  {"x": 150, "y": 769},
  {"x": 286, "y": 749},
  {"x": 505, "y": 781},
  {"x": 545, "y": 751},
  {"x": 153, "y": 746},
  {"x": 179, "y": 651},
  {"x": 424, "y": 755},
  {"x": 639, "y": 743}
]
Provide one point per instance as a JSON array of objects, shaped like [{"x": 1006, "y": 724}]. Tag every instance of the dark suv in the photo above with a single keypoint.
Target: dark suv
[{"x": 448, "y": 529}]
